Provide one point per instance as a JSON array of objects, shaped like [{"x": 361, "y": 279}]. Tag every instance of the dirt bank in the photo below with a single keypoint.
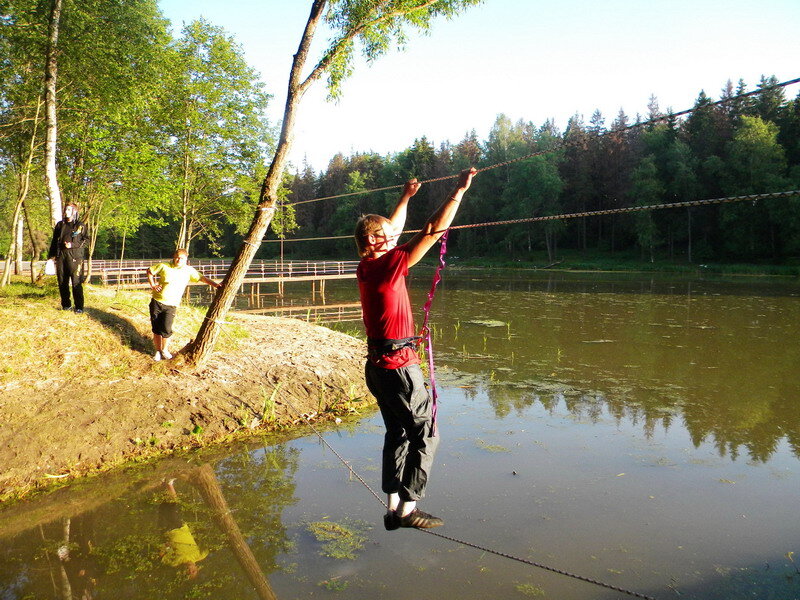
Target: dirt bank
[{"x": 81, "y": 393}]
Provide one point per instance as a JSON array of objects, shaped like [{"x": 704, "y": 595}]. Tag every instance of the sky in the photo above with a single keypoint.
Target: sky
[{"x": 528, "y": 59}]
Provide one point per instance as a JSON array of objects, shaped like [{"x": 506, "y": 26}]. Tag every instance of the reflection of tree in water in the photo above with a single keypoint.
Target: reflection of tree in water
[
  {"x": 505, "y": 399},
  {"x": 260, "y": 485},
  {"x": 115, "y": 551},
  {"x": 757, "y": 425}
]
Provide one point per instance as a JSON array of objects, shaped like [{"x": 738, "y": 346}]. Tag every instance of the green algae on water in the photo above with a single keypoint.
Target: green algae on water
[{"x": 339, "y": 540}]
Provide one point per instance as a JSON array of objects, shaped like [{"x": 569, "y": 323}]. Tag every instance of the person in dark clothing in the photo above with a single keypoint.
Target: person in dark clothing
[{"x": 67, "y": 249}]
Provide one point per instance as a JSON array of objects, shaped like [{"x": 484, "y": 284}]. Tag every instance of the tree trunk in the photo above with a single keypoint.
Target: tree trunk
[
  {"x": 20, "y": 231},
  {"x": 93, "y": 217},
  {"x": 121, "y": 258},
  {"x": 200, "y": 349},
  {"x": 15, "y": 247},
  {"x": 183, "y": 234},
  {"x": 63, "y": 557},
  {"x": 24, "y": 186},
  {"x": 50, "y": 75},
  {"x": 613, "y": 232},
  {"x": 584, "y": 235},
  {"x": 6, "y": 278},
  {"x": 206, "y": 483},
  {"x": 35, "y": 250}
]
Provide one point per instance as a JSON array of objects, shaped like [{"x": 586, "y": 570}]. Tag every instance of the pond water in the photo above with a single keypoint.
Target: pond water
[{"x": 641, "y": 432}]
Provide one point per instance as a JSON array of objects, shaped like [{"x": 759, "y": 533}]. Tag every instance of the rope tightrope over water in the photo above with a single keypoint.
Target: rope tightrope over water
[
  {"x": 355, "y": 474},
  {"x": 539, "y": 565},
  {"x": 466, "y": 543}
]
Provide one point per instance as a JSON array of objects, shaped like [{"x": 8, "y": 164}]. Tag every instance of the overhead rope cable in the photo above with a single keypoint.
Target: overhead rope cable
[
  {"x": 629, "y": 209},
  {"x": 590, "y": 213},
  {"x": 562, "y": 144}
]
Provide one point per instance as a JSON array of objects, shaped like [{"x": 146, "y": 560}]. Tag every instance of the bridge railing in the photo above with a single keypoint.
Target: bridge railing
[{"x": 133, "y": 273}]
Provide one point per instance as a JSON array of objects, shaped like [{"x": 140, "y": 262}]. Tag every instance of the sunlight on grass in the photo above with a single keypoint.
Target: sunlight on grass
[{"x": 110, "y": 340}]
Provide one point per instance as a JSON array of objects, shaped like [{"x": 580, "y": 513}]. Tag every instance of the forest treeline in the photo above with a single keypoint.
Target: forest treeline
[
  {"x": 162, "y": 140},
  {"x": 741, "y": 146}
]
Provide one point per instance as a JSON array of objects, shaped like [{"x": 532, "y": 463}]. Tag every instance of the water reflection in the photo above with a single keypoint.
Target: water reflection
[
  {"x": 705, "y": 354},
  {"x": 716, "y": 356},
  {"x": 736, "y": 426},
  {"x": 199, "y": 532}
]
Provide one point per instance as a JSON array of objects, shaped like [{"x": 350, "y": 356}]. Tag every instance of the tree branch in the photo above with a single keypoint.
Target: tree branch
[{"x": 326, "y": 60}]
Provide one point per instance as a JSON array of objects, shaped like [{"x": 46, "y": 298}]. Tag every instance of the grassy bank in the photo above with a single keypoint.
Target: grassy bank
[{"x": 109, "y": 340}]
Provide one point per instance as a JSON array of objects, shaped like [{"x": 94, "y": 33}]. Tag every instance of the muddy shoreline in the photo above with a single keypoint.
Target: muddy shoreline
[{"x": 282, "y": 374}]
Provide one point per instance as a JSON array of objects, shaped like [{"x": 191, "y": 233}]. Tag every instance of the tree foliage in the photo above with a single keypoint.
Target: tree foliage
[
  {"x": 152, "y": 131},
  {"x": 744, "y": 146}
]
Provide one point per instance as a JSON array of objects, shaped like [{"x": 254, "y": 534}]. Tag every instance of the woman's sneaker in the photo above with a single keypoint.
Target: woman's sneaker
[{"x": 420, "y": 520}]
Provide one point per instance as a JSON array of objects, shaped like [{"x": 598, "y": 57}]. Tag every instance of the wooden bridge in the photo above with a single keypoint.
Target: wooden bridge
[
  {"x": 132, "y": 273},
  {"x": 319, "y": 313}
]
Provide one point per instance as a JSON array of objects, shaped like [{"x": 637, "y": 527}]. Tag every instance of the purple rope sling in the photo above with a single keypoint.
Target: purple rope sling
[{"x": 425, "y": 332}]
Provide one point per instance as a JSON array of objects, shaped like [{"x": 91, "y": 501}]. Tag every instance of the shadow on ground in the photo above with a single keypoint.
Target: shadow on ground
[{"x": 128, "y": 334}]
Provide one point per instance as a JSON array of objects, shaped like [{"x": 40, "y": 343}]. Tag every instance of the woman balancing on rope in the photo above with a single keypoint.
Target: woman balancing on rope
[{"x": 393, "y": 373}]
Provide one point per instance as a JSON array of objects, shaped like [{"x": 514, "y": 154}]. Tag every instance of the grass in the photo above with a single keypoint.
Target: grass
[
  {"x": 530, "y": 590},
  {"x": 110, "y": 340}
]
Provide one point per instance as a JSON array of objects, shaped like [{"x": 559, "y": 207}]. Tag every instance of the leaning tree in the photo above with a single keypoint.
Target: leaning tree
[{"x": 373, "y": 25}]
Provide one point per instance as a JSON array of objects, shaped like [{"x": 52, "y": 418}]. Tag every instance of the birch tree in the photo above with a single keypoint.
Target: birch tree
[{"x": 50, "y": 79}]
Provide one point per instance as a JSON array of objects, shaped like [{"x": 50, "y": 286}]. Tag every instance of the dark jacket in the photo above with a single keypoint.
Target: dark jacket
[{"x": 69, "y": 231}]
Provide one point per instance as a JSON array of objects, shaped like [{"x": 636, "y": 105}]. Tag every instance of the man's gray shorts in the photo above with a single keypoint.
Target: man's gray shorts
[{"x": 409, "y": 446}]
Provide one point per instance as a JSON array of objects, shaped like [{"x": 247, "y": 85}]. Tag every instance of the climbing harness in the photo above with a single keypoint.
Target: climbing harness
[{"x": 377, "y": 348}]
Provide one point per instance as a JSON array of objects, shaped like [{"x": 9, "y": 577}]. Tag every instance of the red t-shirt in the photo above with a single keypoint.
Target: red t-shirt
[{"x": 385, "y": 305}]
